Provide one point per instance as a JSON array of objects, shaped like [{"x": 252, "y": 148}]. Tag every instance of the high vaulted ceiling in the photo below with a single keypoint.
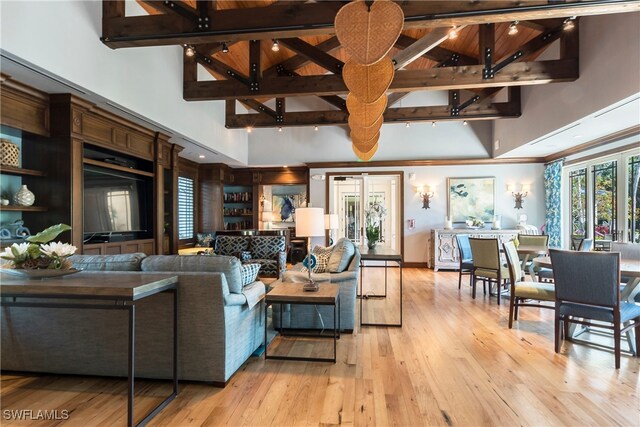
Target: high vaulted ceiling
[{"x": 473, "y": 67}]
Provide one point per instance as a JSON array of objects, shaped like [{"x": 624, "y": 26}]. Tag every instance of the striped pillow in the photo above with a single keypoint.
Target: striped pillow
[{"x": 249, "y": 273}]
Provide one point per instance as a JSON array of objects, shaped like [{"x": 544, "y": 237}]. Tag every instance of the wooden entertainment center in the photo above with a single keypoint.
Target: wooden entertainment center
[{"x": 58, "y": 131}]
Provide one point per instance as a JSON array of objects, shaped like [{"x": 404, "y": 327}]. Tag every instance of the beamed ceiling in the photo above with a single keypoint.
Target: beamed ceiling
[{"x": 474, "y": 67}]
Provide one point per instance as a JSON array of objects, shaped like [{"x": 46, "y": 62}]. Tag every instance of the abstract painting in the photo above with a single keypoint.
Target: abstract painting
[{"x": 471, "y": 197}]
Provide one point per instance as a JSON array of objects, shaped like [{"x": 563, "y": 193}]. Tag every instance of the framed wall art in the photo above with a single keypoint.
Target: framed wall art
[{"x": 472, "y": 197}]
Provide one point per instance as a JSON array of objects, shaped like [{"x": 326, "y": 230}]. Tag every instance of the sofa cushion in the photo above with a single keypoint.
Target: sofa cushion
[
  {"x": 267, "y": 247},
  {"x": 249, "y": 273},
  {"x": 124, "y": 262},
  {"x": 322, "y": 255},
  {"x": 231, "y": 245},
  {"x": 341, "y": 256},
  {"x": 268, "y": 267},
  {"x": 228, "y": 265},
  {"x": 205, "y": 240}
]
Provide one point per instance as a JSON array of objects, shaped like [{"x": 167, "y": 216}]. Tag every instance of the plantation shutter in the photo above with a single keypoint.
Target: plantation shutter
[{"x": 185, "y": 208}]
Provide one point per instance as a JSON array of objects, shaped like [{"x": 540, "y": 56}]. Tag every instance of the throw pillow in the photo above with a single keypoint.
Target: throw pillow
[
  {"x": 205, "y": 240},
  {"x": 341, "y": 256},
  {"x": 322, "y": 255},
  {"x": 249, "y": 273}
]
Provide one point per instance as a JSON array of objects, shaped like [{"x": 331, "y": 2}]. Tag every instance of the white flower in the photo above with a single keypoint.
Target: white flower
[
  {"x": 60, "y": 249},
  {"x": 20, "y": 248}
]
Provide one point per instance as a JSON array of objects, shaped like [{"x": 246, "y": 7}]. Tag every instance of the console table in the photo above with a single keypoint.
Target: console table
[
  {"x": 379, "y": 254},
  {"x": 442, "y": 247},
  {"x": 100, "y": 291}
]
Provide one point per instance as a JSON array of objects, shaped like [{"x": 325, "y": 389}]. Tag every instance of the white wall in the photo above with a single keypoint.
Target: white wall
[
  {"x": 609, "y": 72},
  {"x": 415, "y": 241},
  {"x": 62, "y": 37}
]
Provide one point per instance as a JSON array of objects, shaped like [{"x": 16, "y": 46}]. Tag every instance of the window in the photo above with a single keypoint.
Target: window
[
  {"x": 633, "y": 204},
  {"x": 604, "y": 201},
  {"x": 578, "y": 197},
  {"x": 185, "y": 208}
]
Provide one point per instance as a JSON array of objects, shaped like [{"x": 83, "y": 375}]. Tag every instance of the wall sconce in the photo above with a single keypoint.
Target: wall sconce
[
  {"x": 518, "y": 196},
  {"x": 426, "y": 196}
]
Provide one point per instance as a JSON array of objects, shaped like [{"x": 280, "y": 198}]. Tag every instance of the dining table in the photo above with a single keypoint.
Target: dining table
[{"x": 530, "y": 252}]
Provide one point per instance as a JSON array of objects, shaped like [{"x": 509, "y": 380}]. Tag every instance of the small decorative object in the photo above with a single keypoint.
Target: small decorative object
[
  {"x": 473, "y": 222},
  {"x": 497, "y": 222},
  {"x": 471, "y": 197},
  {"x": 448, "y": 225},
  {"x": 373, "y": 220},
  {"x": 4, "y": 202},
  {"x": 24, "y": 197},
  {"x": 21, "y": 232},
  {"x": 39, "y": 257},
  {"x": 10, "y": 153}
]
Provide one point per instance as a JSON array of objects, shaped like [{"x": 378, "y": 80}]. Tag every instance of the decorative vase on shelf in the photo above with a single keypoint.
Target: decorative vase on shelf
[
  {"x": 371, "y": 244},
  {"x": 24, "y": 197}
]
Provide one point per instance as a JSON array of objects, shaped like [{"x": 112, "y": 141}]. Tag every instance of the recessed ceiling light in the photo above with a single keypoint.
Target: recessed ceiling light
[
  {"x": 201, "y": 156},
  {"x": 577, "y": 136}
]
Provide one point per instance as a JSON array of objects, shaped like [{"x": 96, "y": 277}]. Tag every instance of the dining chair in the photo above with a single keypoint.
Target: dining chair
[
  {"x": 487, "y": 265},
  {"x": 588, "y": 288},
  {"x": 541, "y": 240},
  {"x": 523, "y": 291},
  {"x": 546, "y": 274},
  {"x": 466, "y": 260}
]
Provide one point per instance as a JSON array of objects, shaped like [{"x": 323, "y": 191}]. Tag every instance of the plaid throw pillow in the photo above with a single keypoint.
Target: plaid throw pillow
[
  {"x": 249, "y": 273},
  {"x": 322, "y": 255}
]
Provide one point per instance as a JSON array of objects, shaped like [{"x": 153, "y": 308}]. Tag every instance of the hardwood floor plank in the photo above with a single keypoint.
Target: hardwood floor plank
[{"x": 453, "y": 363}]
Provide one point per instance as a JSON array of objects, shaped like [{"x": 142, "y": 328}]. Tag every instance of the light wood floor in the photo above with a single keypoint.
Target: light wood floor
[{"x": 454, "y": 362}]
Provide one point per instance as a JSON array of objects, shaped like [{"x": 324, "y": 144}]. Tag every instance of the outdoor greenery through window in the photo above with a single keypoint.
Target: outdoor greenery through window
[
  {"x": 633, "y": 205},
  {"x": 578, "y": 195},
  {"x": 185, "y": 208},
  {"x": 604, "y": 201}
]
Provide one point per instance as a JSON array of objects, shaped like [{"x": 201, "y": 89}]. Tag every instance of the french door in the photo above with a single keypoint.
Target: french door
[{"x": 351, "y": 196}]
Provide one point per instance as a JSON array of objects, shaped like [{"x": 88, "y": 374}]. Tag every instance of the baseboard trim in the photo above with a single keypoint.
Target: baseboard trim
[{"x": 415, "y": 265}]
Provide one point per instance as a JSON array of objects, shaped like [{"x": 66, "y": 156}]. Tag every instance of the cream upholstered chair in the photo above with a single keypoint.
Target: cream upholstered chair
[
  {"x": 522, "y": 291},
  {"x": 487, "y": 265}
]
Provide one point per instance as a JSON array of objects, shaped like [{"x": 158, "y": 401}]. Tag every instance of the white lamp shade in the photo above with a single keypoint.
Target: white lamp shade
[
  {"x": 331, "y": 222},
  {"x": 309, "y": 222}
]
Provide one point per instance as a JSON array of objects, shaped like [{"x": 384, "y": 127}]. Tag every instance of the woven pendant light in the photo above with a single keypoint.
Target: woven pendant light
[
  {"x": 367, "y": 34},
  {"x": 365, "y": 155},
  {"x": 362, "y": 133},
  {"x": 365, "y": 145},
  {"x": 368, "y": 82},
  {"x": 363, "y": 114}
]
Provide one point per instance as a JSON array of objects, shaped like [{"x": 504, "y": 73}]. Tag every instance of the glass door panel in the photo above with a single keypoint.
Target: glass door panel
[{"x": 604, "y": 198}]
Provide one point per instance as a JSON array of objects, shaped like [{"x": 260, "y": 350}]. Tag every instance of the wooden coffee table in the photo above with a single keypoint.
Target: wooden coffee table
[{"x": 292, "y": 293}]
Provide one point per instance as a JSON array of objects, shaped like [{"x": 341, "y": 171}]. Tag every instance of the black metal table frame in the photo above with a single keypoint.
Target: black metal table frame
[
  {"x": 335, "y": 336},
  {"x": 115, "y": 304},
  {"x": 364, "y": 296}
]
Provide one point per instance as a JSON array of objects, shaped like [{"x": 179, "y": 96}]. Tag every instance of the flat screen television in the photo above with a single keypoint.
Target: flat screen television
[{"x": 116, "y": 202}]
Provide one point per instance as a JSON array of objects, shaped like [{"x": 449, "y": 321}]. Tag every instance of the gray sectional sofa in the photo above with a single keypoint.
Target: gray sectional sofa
[{"x": 218, "y": 331}]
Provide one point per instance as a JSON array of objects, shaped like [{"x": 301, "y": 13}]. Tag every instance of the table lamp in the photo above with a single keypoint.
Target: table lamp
[
  {"x": 331, "y": 222},
  {"x": 309, "y": 223}
]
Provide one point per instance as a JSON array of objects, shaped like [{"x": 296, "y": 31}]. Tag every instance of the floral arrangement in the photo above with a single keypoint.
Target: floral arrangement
[
  {"x": 473, "y": 221},
  {"x": 39, "y": 252},
  {"x": 373, "y": 221}
]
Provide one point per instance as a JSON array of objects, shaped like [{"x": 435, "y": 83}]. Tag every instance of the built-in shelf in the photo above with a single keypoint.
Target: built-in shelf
[
  {"x": 238, "y": 216},
  {"x": 13, "y": 170},
  {"x": 23, "y": 208},
  {"x": 117, "y": 167}
]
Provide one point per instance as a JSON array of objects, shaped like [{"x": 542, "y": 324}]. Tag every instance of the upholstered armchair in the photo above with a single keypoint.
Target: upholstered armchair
[{"x": 270, "y": 252}]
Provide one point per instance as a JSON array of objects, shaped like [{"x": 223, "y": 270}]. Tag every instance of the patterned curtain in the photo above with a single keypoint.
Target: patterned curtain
[{"x": 552, "y": 195}]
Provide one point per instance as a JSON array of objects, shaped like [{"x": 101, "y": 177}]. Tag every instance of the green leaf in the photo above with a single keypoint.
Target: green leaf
[
  {"x": 49, "y": 234},
  {"x": 33, "y": 251}
]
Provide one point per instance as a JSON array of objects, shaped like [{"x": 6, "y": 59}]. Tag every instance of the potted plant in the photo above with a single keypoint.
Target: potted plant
[{"x": 373, "y": 223}]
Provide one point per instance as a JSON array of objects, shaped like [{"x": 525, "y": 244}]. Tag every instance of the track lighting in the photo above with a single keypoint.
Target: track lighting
[
  {"x": 316, "y": 128},
  {"x": 408, "y": 124},
  {"x": 465, "y": 123},
  {"x": 453, "y": 33},
  {"x": 513, "y": 28},
  {"x": 569, "y": 23},
  {"x": 275, "y": 46},
  {"x": 225, "y": 48},
  {"x": 280, "y": 129},
  {"x": 433, "y": 124},
  {"x": 249, "y": 129},
  {"x": 190, "y": 51}
]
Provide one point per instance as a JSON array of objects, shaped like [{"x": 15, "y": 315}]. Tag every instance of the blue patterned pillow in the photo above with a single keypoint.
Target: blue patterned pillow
[
  {"x": 322, "y": 255},
  {"x": 249, "y": 273}
]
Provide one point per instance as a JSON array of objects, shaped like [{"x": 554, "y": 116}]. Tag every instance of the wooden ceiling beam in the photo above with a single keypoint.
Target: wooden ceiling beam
[
  {"x": 299, "y": 61},
  {"x": 260, "y": 108},
  {"x": 391, "y": 115},
  {"x": 309, "y": 19},
  {"x": 395, "y": 97},
  {"x": 468, "y": 77},
  {"x": 438, "y": 54},
  {"x": 420, "y": 47},
  {"x": 313, "y": 54},
  {"x": 211, "y": 48}
]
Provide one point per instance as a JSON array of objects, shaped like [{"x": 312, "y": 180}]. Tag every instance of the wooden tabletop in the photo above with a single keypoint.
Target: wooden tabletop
[
  {"x": 532, "y": 250},
  {"x": 628, "y": 267},
  {"x": 379, "y": 253},
  {"x": 293, "y": 293},
  {"x": 130, "y": 286}
]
